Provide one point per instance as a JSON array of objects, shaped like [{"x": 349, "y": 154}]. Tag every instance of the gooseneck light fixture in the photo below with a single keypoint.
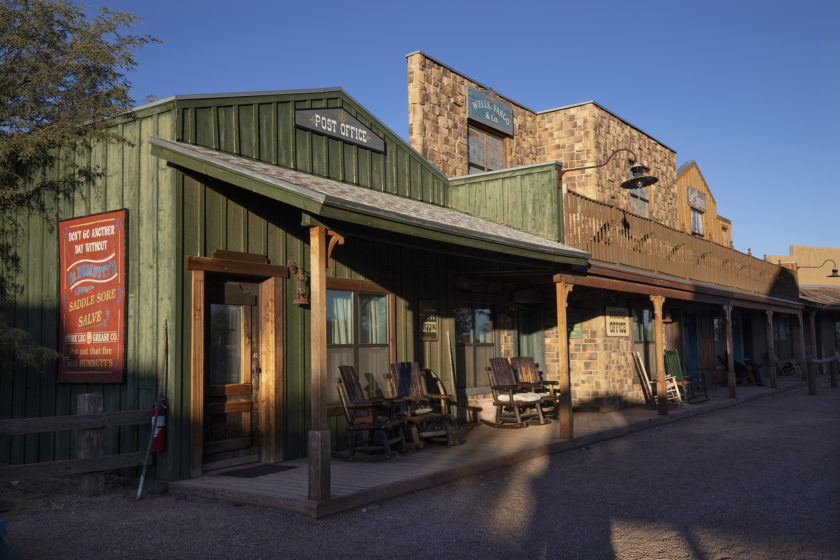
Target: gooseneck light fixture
[
  {"x": 637, "y": 176},
  {"x": 833, "y": 270}
]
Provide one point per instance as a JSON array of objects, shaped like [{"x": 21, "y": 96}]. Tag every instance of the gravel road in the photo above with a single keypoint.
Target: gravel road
[{"x": 759, "y": 480}]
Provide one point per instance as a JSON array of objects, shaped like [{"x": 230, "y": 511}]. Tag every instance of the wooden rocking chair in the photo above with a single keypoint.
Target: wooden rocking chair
[
  {"x": 372, "y": 424},
  {"x": 407, "y": 381},
  {"x": 514, "y": 404},
  {"x": 692, "y": 387},
  {"x": 649, "y": 388},
  {"x": 528, "y": 374}
]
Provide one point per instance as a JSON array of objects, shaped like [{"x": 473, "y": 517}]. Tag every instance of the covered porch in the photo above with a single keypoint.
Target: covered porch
[{"x": 359, "y": 483}]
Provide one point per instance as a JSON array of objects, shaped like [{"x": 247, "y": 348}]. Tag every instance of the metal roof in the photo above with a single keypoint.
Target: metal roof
[
  {"x": 821, "y": 295},
  {"x": 329, "y": 198}
]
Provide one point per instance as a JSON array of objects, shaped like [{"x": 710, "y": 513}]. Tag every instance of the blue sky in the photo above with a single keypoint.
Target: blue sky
[{"x": 750, "y": 90}]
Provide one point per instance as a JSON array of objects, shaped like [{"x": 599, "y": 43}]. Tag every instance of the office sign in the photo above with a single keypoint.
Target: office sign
[
  {"x": 488, "y": 109},
  {"x": 341, "y": 125},
  {"x": 428, "y": 320},
  {"x": 92, "y": 285},
  {"x": 618, "y": 323}
]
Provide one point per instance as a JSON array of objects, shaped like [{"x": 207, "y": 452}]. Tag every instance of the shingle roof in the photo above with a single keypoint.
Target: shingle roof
[{"x": 318, "y": 194}]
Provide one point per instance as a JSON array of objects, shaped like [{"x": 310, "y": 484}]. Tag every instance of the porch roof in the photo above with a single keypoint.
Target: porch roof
[
  {"x": 329, "y": 198},
  {"x": 827, "y": 297}
]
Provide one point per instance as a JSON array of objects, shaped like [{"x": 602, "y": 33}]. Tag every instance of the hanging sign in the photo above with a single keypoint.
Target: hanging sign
[
  {"x": 617, "y": 321},
  {"x": 487, "y": 108},
  {"x": 341, "y": 125},
  {"x": 696, "y": 199},
  {"x": 91, "y": 256}
]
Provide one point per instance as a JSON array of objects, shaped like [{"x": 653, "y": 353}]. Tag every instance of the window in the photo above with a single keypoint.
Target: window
[
  {"x": 725, "y": 239},
  {"x": 640, "y": 202},
  {"x": 486, "y": 152},
  {"x": 474, "y": 345},
  {"x": 644, "y": 338},
  {"x": 837, "y": 335},
  {"x": 783, "y": 338},
  {"x": 644, "y": 328},
  {"x": 696, "y": 222},
  {"x": 357, "y": 335},
  {"x": 719, "y": 325}
]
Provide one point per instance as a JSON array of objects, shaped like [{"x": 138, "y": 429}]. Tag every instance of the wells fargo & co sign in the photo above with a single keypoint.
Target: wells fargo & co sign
[
  {"x": 487, "y": 108},
  {"x": 93, "y": 289}
]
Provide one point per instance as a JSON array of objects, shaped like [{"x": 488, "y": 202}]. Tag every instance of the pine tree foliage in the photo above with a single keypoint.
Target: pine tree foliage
[{"x": 62, "y": 74}]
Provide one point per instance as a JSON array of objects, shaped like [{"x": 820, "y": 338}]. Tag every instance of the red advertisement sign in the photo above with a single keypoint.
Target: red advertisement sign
[{"x": 92, "y": 284}]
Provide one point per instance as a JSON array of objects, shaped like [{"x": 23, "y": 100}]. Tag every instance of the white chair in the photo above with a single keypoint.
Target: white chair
[{"x": 649, "y": 387}]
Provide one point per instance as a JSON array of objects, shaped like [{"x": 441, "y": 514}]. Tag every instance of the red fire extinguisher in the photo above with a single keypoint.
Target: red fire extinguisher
[{"x": 159, "y": 427}]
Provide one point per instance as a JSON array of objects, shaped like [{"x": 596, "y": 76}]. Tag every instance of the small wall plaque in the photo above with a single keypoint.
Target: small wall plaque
[{"x": 428, "y": 320}]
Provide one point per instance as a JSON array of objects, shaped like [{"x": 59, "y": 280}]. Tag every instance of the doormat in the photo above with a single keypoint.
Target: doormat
[{"x": 259, "y": 470}]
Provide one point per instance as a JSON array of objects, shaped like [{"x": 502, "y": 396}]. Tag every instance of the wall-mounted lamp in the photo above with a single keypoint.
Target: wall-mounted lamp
[
  {"x": 833, "y": 270},
  {"x": 637, "y": 176},
  {"x": 301, "y": 298}
]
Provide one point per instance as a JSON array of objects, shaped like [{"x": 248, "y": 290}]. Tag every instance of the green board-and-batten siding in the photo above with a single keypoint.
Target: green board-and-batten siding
[
  {"x": 525, "y": 198},
  {"x": 263, "y": 127},
  {"x": 149, "y": 303},
  {"x": 174, "y": 214}
]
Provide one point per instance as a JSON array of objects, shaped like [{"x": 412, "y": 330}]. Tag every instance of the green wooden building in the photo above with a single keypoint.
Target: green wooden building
[{"x": 278, "y": 235}]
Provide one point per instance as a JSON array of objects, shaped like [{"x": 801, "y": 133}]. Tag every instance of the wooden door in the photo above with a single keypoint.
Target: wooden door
[
  {"x": 474, "y": 346},
  {"x": 231, "y": 375}
]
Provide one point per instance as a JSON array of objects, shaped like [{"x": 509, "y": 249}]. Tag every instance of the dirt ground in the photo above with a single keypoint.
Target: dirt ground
[{"x": 760, "y": 480}]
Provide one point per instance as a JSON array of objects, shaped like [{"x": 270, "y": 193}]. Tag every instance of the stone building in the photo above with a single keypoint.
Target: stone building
[{"x": 558, "y": 173}]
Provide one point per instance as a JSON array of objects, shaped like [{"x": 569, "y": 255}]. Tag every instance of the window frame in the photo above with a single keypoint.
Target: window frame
[
  {"x": 481, "y": 385},
  {"x": 640, "y": 200},
  {"x": 482, "y": 167},
  {"x": 357, "y": 287},
  {"x": 697, "y": 229}
]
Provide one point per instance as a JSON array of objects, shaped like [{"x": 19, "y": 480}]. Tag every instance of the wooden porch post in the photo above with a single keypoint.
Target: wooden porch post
[
  {"x": 803, "y": 360},
  {"x": 661, "y": 389},
  {"x": 812, "y": 367},
  {"x": 197, "y": 374},
  {"x": 319, "y": 433},
  {"x": 771, "y": 351},
  {"x": 730, "y": 359},
  {"x": 565, "y": 418}
]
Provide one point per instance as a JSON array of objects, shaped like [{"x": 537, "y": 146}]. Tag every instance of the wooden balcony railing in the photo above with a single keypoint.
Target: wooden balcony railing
[{"x": 614, "y": 235}]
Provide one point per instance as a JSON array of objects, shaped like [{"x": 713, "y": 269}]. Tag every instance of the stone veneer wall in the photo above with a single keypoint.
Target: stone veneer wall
[
  {"x": 584, "y": 135},
  {"x": 437, "y": 119},
  {"x": 602, "y": 371},
  {"x": 577, "y": 136}
]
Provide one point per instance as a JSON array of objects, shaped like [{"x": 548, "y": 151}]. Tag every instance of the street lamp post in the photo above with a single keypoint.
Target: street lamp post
[{"x": 833, "y": 270}]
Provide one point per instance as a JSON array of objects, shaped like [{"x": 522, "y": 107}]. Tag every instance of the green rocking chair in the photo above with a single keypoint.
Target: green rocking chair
[{"x": 692, "y": 386}]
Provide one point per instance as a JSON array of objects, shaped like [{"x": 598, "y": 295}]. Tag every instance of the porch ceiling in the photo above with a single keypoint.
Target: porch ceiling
[{"x": 328, "y": 198}]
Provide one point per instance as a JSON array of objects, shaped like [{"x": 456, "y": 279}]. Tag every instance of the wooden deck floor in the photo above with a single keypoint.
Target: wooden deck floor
[{"x": 355, "y": 484}]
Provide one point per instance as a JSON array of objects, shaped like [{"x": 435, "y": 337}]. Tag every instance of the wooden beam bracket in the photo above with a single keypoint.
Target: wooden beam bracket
[{"x": 335, "y": 239}]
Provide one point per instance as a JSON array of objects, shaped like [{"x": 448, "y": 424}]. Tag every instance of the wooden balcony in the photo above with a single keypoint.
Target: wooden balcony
[{"x": 616, "y": 236}]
